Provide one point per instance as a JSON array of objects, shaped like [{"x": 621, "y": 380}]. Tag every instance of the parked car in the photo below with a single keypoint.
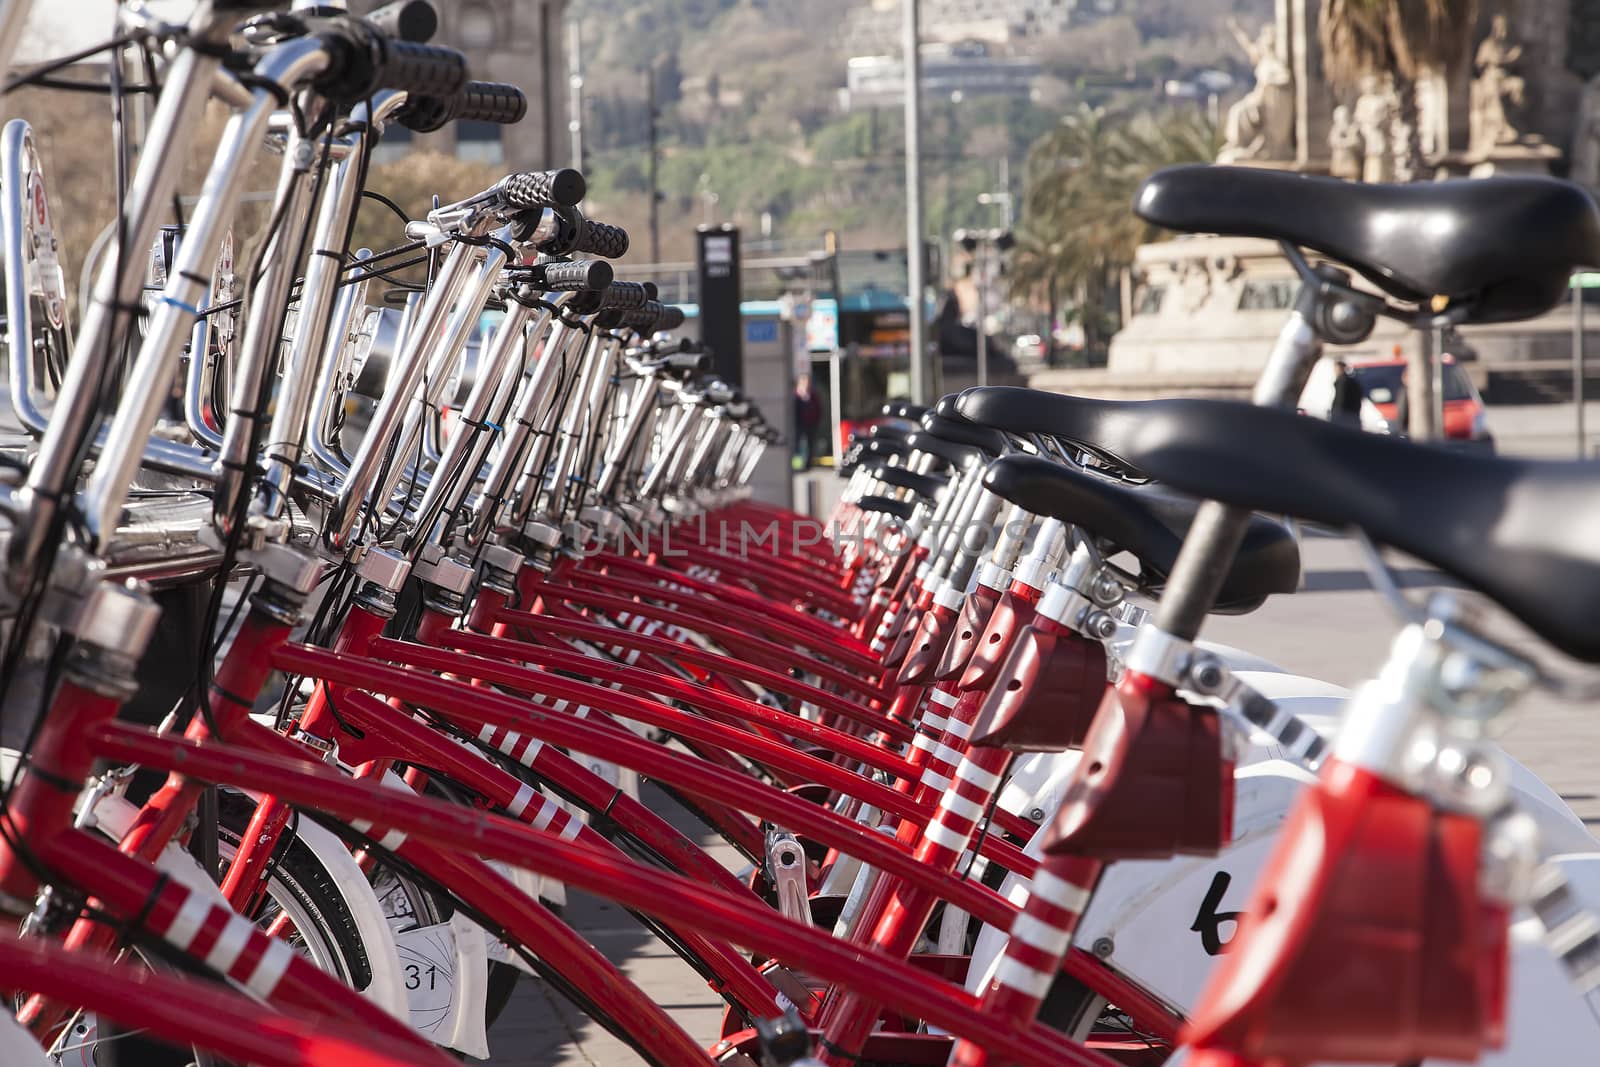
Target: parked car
[
  {"x": 1029, "y": 348},
  {"x": 1466, "y": 422}
]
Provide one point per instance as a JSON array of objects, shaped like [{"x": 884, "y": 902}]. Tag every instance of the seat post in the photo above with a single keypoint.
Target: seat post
[{"x": 1217, "y": 531}]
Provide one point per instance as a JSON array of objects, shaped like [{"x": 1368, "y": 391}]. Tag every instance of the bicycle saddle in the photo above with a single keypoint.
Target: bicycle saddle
[
  {"x": 904, "y": 409},
  {"x": 1149, "y": 523},
  {"x": 920, "y": 484},
  {"x": 1103, "y": 427},
  {"x": 960, "y": 431},
  {"x": 949, "y": 451},
  {"x": 956, "y": 454},
  {"x": 1526, "y": 533},
  {"x": 899, "y": 509},
  {"x": 887, "y": 431},
  {"x": 1504, "y": 247}
]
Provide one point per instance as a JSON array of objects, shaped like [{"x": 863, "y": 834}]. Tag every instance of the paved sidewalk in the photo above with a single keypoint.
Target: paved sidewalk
[{"x": 540, "y": 1029}]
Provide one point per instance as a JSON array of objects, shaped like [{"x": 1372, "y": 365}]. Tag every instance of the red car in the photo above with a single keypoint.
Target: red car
[{"x": 1465, "y": 419}]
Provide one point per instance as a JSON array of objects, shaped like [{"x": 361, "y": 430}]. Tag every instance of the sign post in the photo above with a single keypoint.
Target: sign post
[
  {"x": 717, "y": 256},
  {"x": 1581, "y": 282}
]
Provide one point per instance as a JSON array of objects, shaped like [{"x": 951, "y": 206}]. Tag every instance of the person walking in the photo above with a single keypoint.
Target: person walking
[
  {"x": 1347, "y": 396},
  {"x": 807, "y": 413}
]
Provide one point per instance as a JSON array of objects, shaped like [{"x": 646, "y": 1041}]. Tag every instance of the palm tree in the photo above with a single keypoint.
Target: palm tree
[
  {"x": 1077, "y": 231},
  {"x": 1405, "y": 40}
]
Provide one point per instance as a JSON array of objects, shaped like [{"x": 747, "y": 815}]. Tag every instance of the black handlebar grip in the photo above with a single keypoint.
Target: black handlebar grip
[
  {"x": 599, "y": 239},
  {"x": 406, "y": 20},
  {"x": 423, "y": 69},
  {"x": 585, "y": 303},
  {"x": 542, "y": 188},
  {"x": 478, "y": 102},
  {"x": 577, "y": 276},
  {"x": 424, "y": 114},
  {"x": 625, "y": 296},
  {"x": 611, "y": 318},
  {"x": 492, "y": 102},
  {"x": 671, "y": 317},
  {"x": 643, "y": 318}
]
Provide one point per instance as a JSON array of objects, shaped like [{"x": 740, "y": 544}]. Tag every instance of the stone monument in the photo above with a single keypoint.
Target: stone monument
[
  {"x": 1260, "y": 126},
  {"x": 1346, "y": 145},
  {"x": 1495, "y": 144},
  {"x": 1374, "y": 115},
  {"x": 1201, "y": 312}
]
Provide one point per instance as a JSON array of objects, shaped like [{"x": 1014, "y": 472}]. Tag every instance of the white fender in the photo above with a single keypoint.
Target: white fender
[
  {"x": 1319, "y": 705},
  {"x": 1037, "y": 782},
  {"x": 115, "y": 817},
  {"x": 466, "y": 945},
  {"x": 387, "y": 990},
  {"x": 1147, "y": 909},
  {"x": 1547, "y": 1022}
]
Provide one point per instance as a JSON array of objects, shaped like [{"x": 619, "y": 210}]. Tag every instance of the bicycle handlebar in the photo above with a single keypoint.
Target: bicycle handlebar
[
  {"x": 542, "y": 188},
  {"x": 430, "y": 70},
  {"x": 406, "y": 20},
  {"x": 491, "y": 102},
  {"x": 576, "y": 276},
  {"x": 600, "y": 239},
  {"x": 477, "y": 102},
  {"x": 362, "y": 61},
  {"x": 624, "y": 296}
]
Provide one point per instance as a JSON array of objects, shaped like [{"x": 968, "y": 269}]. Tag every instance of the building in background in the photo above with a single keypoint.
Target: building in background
[
  {"x": 522, "y": 42},
  {"x": 875, "y": 24},
  {"x": 953, "y": 70}
]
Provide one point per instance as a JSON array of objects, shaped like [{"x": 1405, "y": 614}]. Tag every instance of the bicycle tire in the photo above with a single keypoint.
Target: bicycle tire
[{"x": 299, "y": 883}]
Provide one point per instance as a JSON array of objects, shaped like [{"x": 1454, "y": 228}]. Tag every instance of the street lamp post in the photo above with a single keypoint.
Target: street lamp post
[
  {"x": 915, "y": 282},
  {"x": 979, "y": 243}
]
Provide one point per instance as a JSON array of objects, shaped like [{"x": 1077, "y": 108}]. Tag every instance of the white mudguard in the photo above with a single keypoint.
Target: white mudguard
[
  {"x": 1547, "y": 1022},
  {"x": 1159, "y": 922},
  {"x": 387, "y": 989}
]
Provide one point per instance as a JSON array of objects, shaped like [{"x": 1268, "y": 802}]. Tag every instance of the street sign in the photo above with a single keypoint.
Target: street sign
[{"x": 720, "y": 327}]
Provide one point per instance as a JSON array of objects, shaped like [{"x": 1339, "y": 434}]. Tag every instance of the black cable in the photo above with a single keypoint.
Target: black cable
[
  {"x": 241, "y": 507},
  {"x": 65, "y": 85},
  {"x": 390, "y": 204},
  {"x": 31, "y": 600},
  {"x": 27, "y": 77}
]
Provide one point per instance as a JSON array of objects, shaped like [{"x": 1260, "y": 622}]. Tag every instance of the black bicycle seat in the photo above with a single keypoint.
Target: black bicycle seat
[
  {"x": 898, "y": 509},
  {"x": 1149, "y": 523},
  {"x": 957, "y": 455},
  {"x": 1102, "y": 427},
  {"x": 920, "y": 484},
  {"x": 961, "y": 432},
  {"x": 1526, "y": 533},
  {"x": 887, "y": 431},
  {"x": 1503, "y": 247},
  {"x": 884, "y": 447},
  {"x": 904, "y": 409}
]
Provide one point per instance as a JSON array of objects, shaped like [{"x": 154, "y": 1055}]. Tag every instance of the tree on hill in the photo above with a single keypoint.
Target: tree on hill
[{"x": 1078, "y": 230}]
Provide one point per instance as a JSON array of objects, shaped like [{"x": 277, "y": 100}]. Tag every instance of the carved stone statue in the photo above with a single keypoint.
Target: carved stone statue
[
  {"x": 1260, "y": 126},
  {"x": 1400, "y": 135},
  {"x": 1374, "y": 117},
  {"x": 1344, "y": 145},
  {"x": 1586, "y": 137},
  {"x": 1493, "y": 86}
]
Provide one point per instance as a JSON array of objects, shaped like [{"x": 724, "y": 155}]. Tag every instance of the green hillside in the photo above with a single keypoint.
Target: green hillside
[{"x": 750, "y": 125}]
